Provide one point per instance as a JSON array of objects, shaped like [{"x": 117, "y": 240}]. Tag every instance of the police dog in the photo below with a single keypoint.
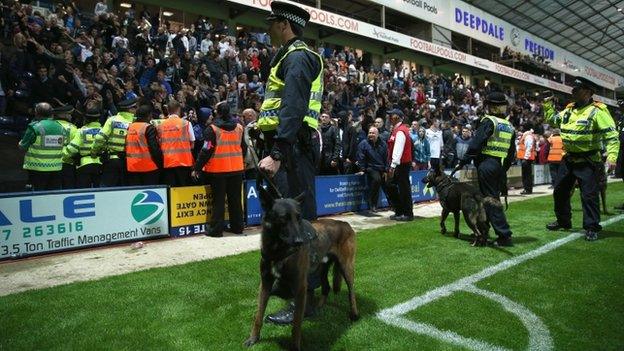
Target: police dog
[
  {"x": 291, "y": 249},
  {"x": 455, "y": 197}
]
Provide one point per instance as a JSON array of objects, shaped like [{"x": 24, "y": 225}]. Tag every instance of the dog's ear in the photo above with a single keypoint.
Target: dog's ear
[
  {"x": 299, "y": 198},
  {"x": 266, "y": 199}
]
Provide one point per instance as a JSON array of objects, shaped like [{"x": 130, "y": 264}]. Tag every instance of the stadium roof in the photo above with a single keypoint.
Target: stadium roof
[{"x": 593, "y": 30}]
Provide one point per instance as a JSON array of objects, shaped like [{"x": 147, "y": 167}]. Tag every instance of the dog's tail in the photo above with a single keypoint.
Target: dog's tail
[{"x": 337, "y": 278}]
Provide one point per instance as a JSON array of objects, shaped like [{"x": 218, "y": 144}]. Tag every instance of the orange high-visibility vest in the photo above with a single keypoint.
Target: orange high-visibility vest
[
  {"x": 228, "y": 154},
  {"x": 521, "y": 149},
  {"x": 138, "y": 157},
  {"x": 175, "y": 142},
  {"x": 556, "y": 149}
]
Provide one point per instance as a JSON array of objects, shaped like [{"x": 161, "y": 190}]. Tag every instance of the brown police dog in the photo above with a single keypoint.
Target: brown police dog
[
  {"x": 291, "y": 249},
  {"x": 455, "y": 197}
]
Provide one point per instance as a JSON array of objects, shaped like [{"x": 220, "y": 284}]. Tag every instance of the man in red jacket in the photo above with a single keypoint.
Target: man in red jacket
[{"x": 400, "y": 161}]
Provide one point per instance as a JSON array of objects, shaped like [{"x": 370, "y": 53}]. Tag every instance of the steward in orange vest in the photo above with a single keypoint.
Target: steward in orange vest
[
  {"x": 221, "y": 160},
  {"x": 176, "y": 142},
  {"x": 555, "y": 155},
  {"x": 526, "y": 155},
  {"x": 143, "y": 155}
]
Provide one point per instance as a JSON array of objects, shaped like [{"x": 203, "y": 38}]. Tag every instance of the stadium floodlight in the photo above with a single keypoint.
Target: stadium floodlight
[
  {"x": 167, "y": 13},
  {"x": 125, "y": 5}
]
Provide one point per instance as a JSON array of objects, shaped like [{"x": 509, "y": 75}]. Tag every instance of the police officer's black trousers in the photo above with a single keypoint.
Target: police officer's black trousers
[
  {"x": 490, "y": 172},
  {"x": 45, "y": 180},
  {"x": 527, "y": 175},
  {"x": 177, "y": 176},
  {"x": 554, "y": 171},
  {"x": 68, "y": 173},
  {"x": 89, "y": 176},
  {"x": 297, "y": 175},
  {"x": 232, "y": 186},
  {"x": 400, "y": 192},
  {"x": 114, "y": 172},
  {"x": 587, "y": 175}
]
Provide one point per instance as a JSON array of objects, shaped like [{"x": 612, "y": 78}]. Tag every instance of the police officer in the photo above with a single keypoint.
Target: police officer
[
  {"x": 289, "y": 120},
  {"x": 290, "y": 111},
  {"x": 43, "y": 141},
  {"x": 64, "y": 116},
  {"x": 110, "y": 142},
  {"x": 221, "y": 158},
  {"x": 585, "y": 126},
  {"x": 89, "y": 169},
  {"x": 493, "y": 149}
]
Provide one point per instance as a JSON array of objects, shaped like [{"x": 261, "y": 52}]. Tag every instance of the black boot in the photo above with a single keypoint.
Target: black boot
[
  {"x": 556, "y": 226},
  {"x": 502, "y": 241},
  {"x": 287, "y": 314}
]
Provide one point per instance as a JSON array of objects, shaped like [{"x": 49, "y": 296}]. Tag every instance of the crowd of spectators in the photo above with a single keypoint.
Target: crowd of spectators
[
  {"x": 534, "y": 63},
  {"x": 94, "y": 60}
]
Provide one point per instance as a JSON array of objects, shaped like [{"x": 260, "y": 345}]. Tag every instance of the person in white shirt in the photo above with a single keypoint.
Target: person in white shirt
[
  {"x": 120, "y": 41},
  {"x": 436, "y": 143},
  {"x": 100, "y": 8},
  {"x": 206, "y": 45},
  {"x": 400, "y": 155}
]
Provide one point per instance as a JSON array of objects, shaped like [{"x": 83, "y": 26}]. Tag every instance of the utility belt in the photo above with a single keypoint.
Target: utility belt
[
  {"x": 109, "y": 155},
  {"x": 304, "y": 138}
]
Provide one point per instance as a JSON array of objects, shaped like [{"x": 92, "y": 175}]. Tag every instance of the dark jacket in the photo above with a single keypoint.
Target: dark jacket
[
  {"x": 151, "y": 135},
  {"x": 331, "y": 144},
  {"x": 350, "y": 143},
  {"x": 372, "y": 156},
  {"x": 210, "y": 142}
]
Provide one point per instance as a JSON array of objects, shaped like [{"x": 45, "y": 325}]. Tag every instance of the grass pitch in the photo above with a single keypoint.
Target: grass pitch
[{"x": 576, "y": 291}]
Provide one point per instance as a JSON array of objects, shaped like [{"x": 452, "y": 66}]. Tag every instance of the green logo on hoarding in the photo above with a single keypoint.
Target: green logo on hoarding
[{"x": 147, "y": 207}]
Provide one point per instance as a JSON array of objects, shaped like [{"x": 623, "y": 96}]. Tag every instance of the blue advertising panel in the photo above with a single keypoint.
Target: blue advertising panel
[
  {"x": 253, "y": 210},
  {"x": 341, "y": 193}
]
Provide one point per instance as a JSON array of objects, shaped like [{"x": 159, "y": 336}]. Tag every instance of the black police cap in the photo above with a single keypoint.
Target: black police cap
[
  {"x": 282, "y": 10},
  {"x": 63, "y": 110},
  {"x": 496, "y": 98},
  {"x": 92, "y": 112},
  {"x": 128, "y": 103},
  {"x": 583, "y": 83}
]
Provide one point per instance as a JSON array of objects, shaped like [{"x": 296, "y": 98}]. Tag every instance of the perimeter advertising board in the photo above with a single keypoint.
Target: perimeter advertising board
[{"x": 54, "y": 221}]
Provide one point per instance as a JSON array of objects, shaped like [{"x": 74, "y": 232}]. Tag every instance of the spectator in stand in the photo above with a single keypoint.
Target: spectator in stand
[
  {"x": 422, "y": 151},
  {"x": 414, "y": 131},
  {"x": 462, "y": 142},
  {"x": 372, "y": 160},
  {"x": 542, "y": 149},
  {"x": 349, "y": 139},
  {"x": 331, "y": 147},
  {"x": 436, "y": 143},
  {"x": 448, "y": 140},
  {"x": 380, "y": 125},
  {"x": 526, "y": 155}
]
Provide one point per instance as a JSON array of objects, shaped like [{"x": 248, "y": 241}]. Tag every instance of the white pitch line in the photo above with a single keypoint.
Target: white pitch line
[
  {"x": 539, "y": 336},
  {"x": 462, "y": 283}
]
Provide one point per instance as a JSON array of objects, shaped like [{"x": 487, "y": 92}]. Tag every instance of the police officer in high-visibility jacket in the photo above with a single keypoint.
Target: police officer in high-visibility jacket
[
  {"x": 493, "y": 149},
  {"x": 176, "y": 142},
  {"x": 290, "y": 110},
  {"x": 555, "y": 154},
  {"x": 63, "y": 115},
  {"x": 221, "y": 159},
  {"x": 143, "y": 156},
  {"x": 89, "y": 169},
  {"x": 110, "y": 142},
  {"x": 43, "y": 141},
  {"x": 586, "y": 126}
]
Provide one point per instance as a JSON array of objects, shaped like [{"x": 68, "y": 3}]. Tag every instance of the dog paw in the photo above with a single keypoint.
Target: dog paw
[{"x": 250, "y": 342}]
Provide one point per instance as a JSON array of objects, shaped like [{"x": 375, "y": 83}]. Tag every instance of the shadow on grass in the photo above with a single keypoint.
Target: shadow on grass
[
  {"x": 329, "y": 324},
  {"x": 606, "y": 234}
]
